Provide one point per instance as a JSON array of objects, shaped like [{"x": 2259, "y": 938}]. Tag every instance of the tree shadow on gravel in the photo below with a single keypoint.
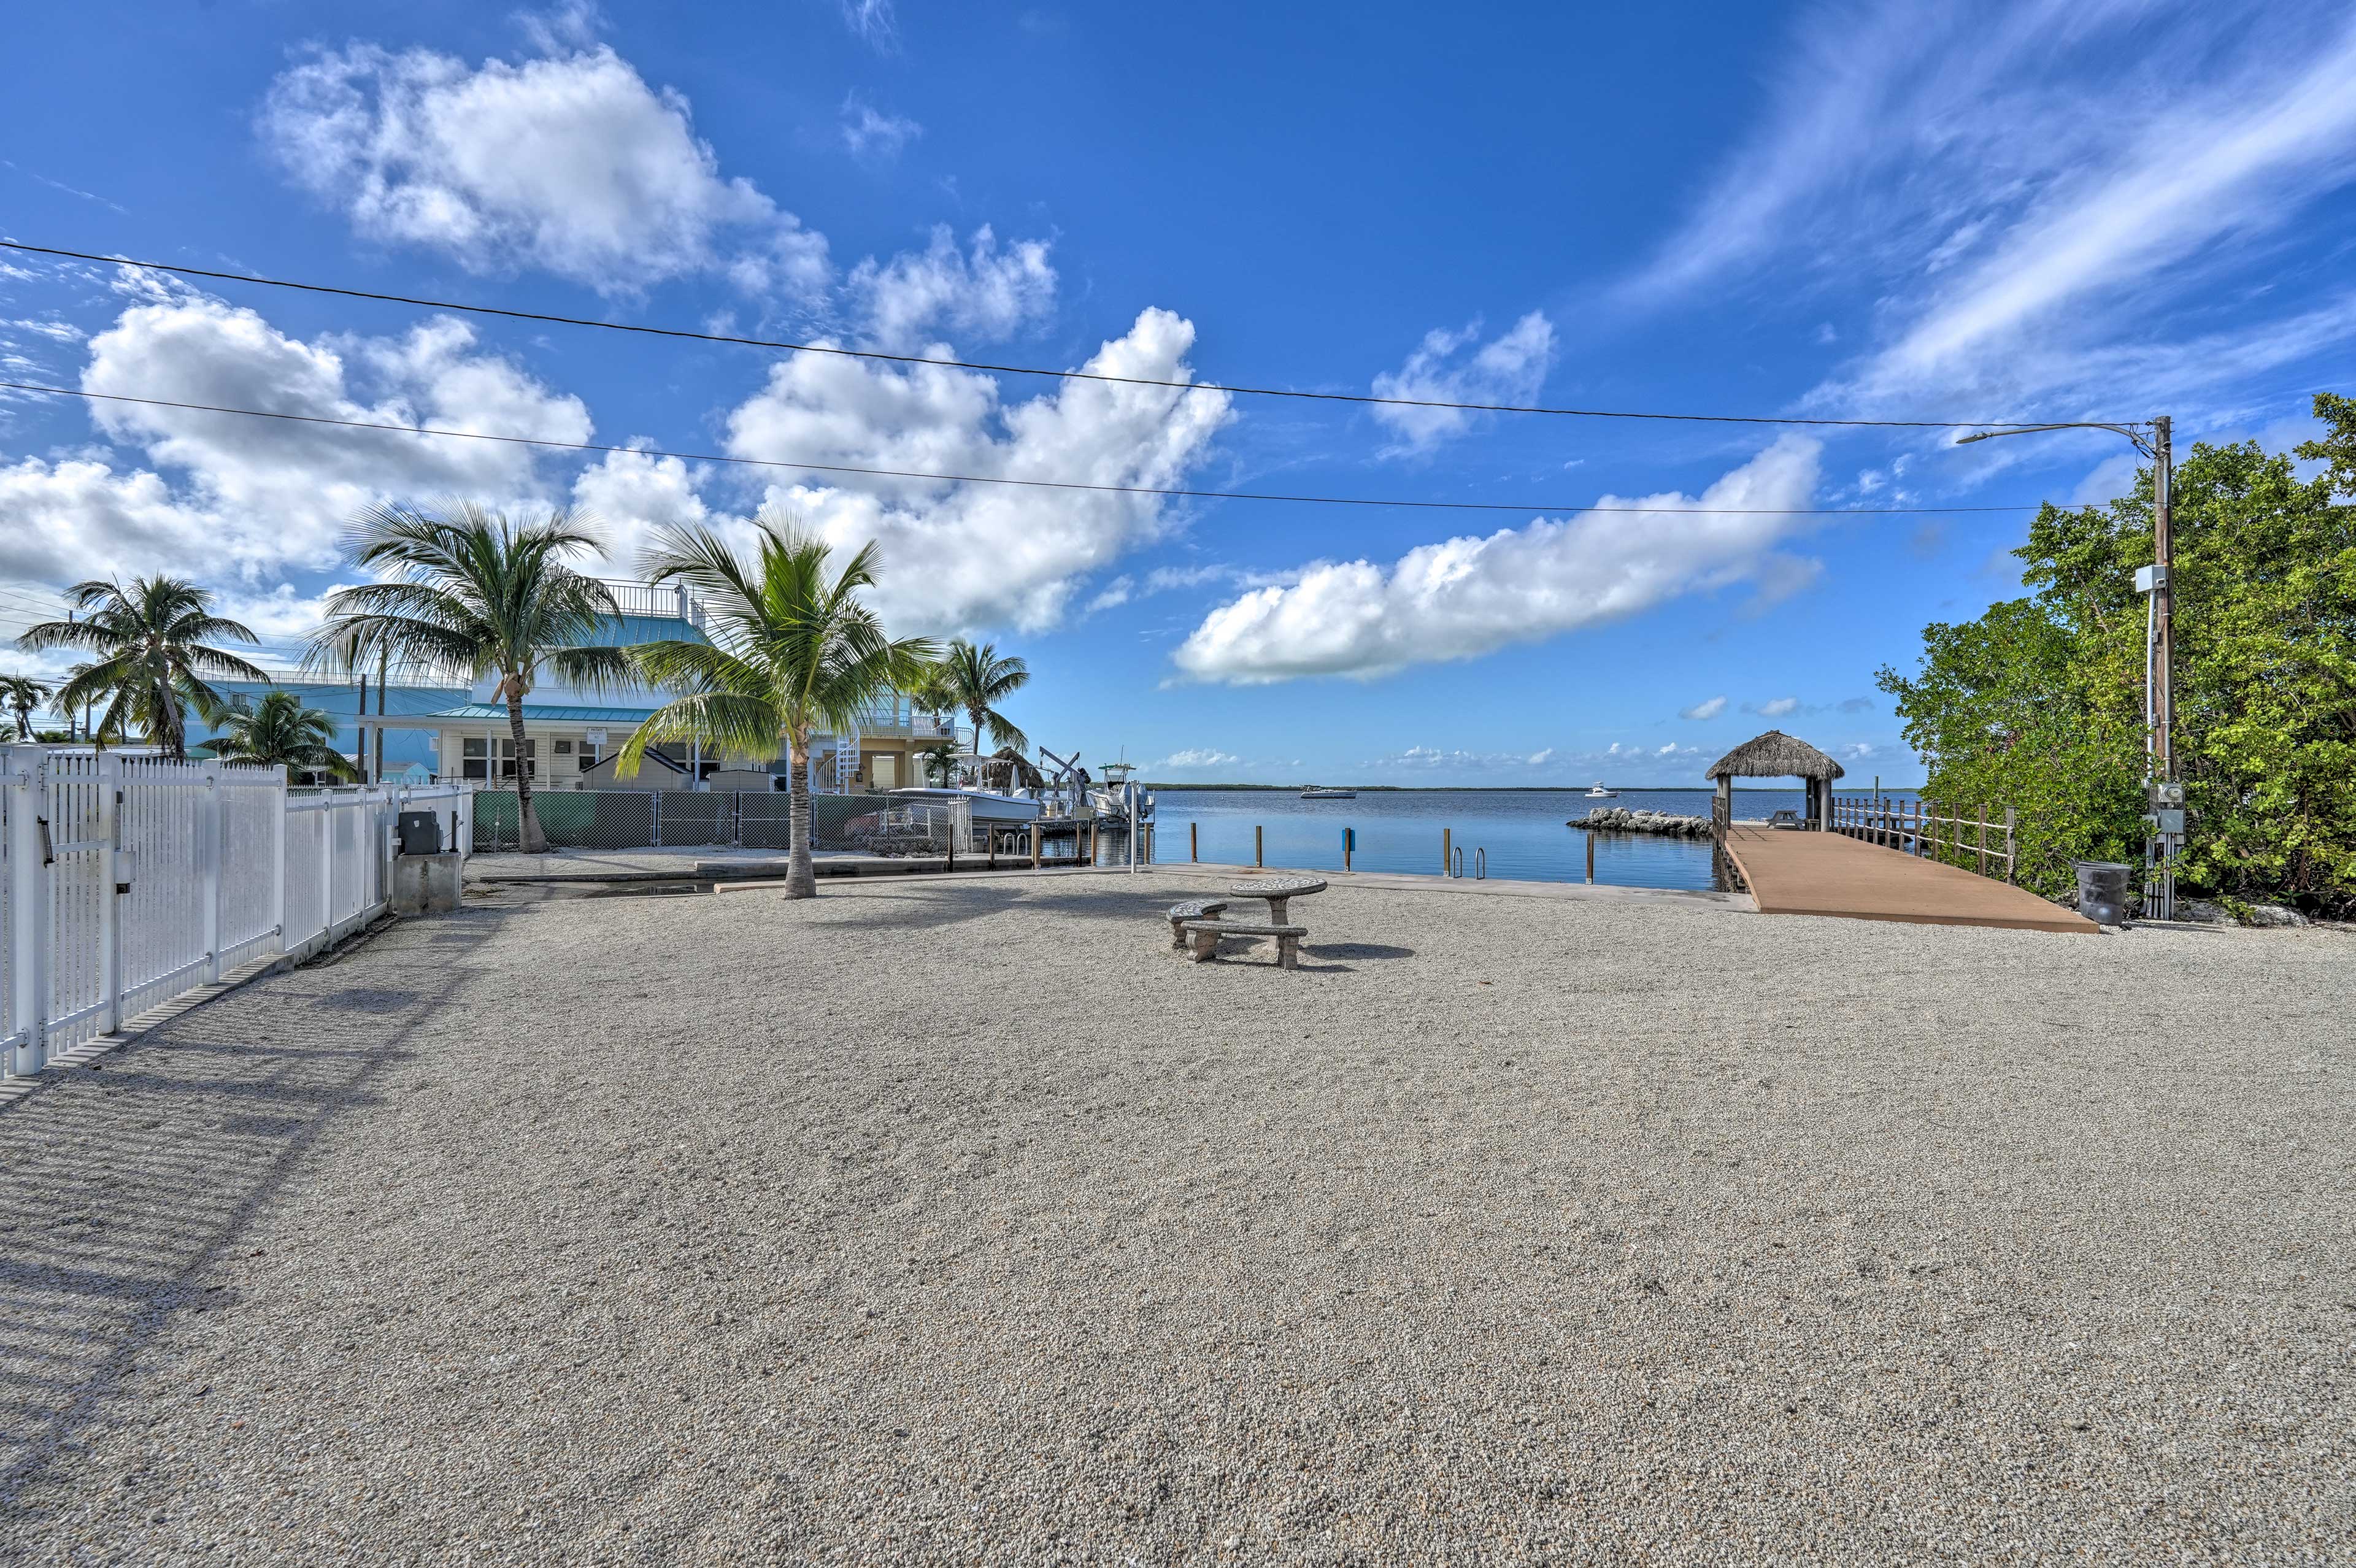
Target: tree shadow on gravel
[
  {"x": 956, "y": 906},
  {"x": 122, "y": 1189}
]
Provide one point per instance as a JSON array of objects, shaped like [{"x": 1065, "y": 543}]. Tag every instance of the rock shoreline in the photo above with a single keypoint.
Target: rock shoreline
[{"x": 1620, "y": 819}]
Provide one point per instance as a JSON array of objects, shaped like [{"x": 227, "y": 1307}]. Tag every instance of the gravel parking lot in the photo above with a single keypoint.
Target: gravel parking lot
[{"x": 948, "y": 1220}]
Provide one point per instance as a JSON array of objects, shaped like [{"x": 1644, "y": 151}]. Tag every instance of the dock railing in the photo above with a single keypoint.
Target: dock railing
[{"x": 1975, "y": 843}]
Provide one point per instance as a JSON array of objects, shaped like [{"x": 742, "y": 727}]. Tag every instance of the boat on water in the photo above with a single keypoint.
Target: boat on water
[
  {"x": 985, "y": 805},
  {"x": 1313, "y": 793},
  {"x": 1597, "y": 791}
]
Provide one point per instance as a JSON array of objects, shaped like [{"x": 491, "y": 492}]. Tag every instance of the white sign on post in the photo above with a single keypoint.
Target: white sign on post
[{"x": 594, "y": 736}]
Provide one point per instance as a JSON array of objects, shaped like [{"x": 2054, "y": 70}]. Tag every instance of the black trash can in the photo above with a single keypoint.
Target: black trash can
[
  {"x": 420, "y": 833},
  {"x": 2102, "y": 891}
]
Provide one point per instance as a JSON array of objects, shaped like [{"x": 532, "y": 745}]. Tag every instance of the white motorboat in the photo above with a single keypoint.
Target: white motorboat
[
  {"x": 1112, "y": 798},
  {"x": 1597, "y": 791},
  {"x": 985, "y": 805},
  {"x": 1313, "y": 793}
]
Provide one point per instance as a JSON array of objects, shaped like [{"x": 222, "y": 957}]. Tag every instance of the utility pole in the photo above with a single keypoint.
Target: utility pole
[
  {"x": 383, "y": 665},
  {"x": 2163, "y": 601},
  {"x": 2166, "y": 794}
]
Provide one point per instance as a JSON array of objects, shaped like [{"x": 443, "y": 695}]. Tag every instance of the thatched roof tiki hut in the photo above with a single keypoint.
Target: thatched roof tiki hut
[
  {"x": 1776, "y": 755},
  {"x": 1007, "y": 769}
]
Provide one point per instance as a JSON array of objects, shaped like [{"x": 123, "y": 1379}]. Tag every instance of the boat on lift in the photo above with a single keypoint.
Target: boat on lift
[
  {"x": 986, "y": 806},
  {"x": 1112, "y": 797},
  {"x": 1315, "y": 793}
]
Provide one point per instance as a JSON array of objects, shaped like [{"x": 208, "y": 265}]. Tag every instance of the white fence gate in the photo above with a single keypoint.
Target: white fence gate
[{"x": 125, "y": 881}]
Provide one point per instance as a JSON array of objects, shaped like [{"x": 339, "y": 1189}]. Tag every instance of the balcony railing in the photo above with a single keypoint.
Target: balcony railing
[
  {"x": 664, "y": 599},
  {"x": 899, "y": 715}
]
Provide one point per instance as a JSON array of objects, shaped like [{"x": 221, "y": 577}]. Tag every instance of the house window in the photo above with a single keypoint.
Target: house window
[
  {"x": 495, "y": 758},
  {"x": 565, "y": 748}
]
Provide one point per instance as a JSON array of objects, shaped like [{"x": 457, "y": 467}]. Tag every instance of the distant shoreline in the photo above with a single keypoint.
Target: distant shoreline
[{"x": 1841, "y": 787}]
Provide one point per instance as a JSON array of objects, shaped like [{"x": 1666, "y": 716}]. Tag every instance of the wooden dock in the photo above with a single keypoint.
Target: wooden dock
[{"x": 1830, "y": 874}]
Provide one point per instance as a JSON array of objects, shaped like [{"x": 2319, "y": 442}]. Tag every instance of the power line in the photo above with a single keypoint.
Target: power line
[
  {"x": 683, "y": 334},
  {"x": 19, "y": 603},
  {"x": 995, "y": 479}
]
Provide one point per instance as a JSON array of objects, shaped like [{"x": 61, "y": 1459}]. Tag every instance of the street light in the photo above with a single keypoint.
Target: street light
[{"x": 2164, "y": 794}]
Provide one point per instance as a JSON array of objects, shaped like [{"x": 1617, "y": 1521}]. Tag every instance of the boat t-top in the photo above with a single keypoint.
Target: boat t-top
[
  {"x": 1597, "y": 791},
  {"x": 1118, "y": 797},
  {"x": 1313, "y": 793}
]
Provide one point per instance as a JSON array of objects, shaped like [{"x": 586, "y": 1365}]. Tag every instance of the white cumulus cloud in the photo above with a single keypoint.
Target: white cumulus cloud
[
  {"x": 1708, "y": 708},
  {"x": 1778, "y": 707},
  {"x": 1199, "y": 757},
  {"x": 967, "y": 556},
  {"x": 571, "y": 162},
  {"x": 982, "y": 292},
  {"x": 628, "y": 495},
  {"x": 250, "y": 497},
  {"x": 1508, "y": 368},
  {"x": 1468, "y": 596}
]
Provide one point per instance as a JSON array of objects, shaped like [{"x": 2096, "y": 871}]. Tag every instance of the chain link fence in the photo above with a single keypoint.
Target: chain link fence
[{"x": 648, "y": 819}]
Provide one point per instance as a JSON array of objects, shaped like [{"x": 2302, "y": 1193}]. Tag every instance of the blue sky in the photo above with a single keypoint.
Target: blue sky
[{"x": 1993, "y": 211}]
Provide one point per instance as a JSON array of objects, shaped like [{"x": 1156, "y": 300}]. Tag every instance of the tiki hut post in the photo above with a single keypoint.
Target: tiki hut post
[{"x": 1776, "y": 755}]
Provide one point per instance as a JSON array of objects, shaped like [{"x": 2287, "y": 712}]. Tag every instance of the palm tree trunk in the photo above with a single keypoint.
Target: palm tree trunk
[
  {"x": 801, "y": 880},
  {"x": 527, "y": 834}
]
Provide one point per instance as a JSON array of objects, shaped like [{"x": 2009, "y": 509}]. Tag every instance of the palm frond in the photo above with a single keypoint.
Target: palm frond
[
  {"x": 690, "y": 668},
  {"x": 594, "y": 669},
  {"x": 729, "y": 723},
  {"x": 87, "y": 635}
]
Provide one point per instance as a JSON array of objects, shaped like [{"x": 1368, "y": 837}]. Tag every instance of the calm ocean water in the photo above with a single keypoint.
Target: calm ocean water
[{"x": 1522, "y": 835}]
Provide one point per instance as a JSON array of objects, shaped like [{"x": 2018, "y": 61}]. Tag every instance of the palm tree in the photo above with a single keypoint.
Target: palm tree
[
  {"x": 471, "y": 591},
  {"x": 931, "y": 693},
  {"x": 978, "y": 680},
  {"x": 279, "y": 730},
  {"x": 151, "y": 657},
  {"x": 793, "y": 653},
  {"x": 22, "y": 694}
]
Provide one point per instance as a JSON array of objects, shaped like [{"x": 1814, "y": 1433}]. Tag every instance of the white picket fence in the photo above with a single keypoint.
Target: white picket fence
[{"x": 125, "y": 881}]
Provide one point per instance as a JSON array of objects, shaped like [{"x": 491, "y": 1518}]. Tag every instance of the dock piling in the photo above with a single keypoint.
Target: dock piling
[
  {"x": 1259, "y": 857},
  {"x": 1194, "y": 842},
  {"x": 1447, "y": 842},
  {"x": 1590, "y": 859}
]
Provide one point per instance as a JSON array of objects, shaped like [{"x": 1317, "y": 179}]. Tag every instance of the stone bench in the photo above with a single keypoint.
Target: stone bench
[
  {"x": 1204, "y": 934},
  {"x": 1192, "y": 909}
]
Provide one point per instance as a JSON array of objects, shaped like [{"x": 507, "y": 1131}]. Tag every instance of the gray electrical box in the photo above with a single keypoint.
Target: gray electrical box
[
  {"x": 420, "y": 833},
  {"x": 2168, "y": 819}
]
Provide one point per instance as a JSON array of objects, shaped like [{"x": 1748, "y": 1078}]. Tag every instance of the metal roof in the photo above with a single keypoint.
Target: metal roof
[{"x": 545, "y": 712}]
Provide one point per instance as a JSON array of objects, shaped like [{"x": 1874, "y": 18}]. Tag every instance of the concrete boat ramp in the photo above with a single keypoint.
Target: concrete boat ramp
[{"x": 1832, "y": 874}]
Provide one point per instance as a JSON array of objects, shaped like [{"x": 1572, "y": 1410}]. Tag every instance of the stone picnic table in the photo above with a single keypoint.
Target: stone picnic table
[{"x": 1276, "y": 890}]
